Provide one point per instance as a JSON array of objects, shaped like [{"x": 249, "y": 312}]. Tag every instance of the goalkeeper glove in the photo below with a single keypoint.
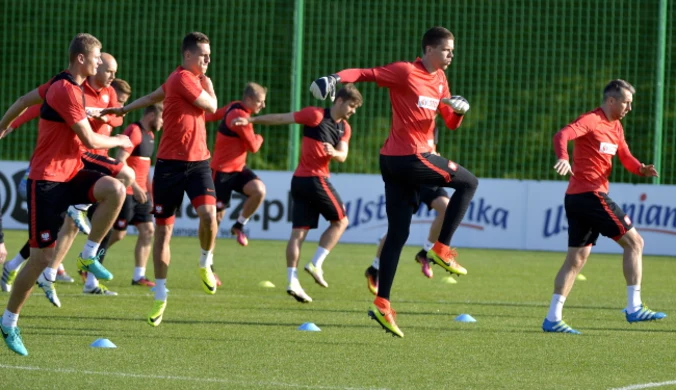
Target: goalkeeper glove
[
  {"x": 325, "y": 87},
  {"x": 459, "y": 104}
]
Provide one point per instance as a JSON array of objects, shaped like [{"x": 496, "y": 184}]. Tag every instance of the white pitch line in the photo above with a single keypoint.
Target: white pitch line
[
  {"x": 182, "y": 378},
  {"x": 646, "y": 385}
]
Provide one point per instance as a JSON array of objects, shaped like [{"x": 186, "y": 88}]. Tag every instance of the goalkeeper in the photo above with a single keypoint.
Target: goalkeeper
[{"x": 418, "y": 91}]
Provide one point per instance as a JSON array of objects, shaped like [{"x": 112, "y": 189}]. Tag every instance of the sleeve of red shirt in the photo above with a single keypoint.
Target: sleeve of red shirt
[
  {"x": 114, "y": 120},
  {"x": 630, "y": 162},
  {"x": 31, "y": 113},
  {"x": 356, "y": 75},
  {"x": 66, "y": 100},
  {"x": 309, "y": 116},
  {"x": 216, "y": 116},
  {"x": 574, "y": 130},
  {"x": 42, "y": 90},
  {"x": 451, "y": 119},
  {"x": 188, "y": 87},
  {"x": 252, "y": 141},
  {"x": 348, "y": 133},
  {"x": 134, "y": 133}
]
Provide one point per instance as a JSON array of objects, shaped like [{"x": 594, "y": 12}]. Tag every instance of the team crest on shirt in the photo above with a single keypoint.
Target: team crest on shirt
[
  {"x": 428, "y": 103},
  {"x": 45, "y": 236},
  {"x": 105, "y": 98},
  {"x": 608, "y": 148}
]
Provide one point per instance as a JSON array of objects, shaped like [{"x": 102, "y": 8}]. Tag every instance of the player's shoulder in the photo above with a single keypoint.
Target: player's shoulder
[{"x": 591, "y": 117}]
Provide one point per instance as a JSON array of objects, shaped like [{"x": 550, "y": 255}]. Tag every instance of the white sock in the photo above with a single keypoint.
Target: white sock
[
  {"x": 292, "y": 275},
  {"x": 633, "y": 299},
  {"x": 9, "y": 319},
  {"x": 206, "y": 258},
  {"x": 83, "y": 207},
  {"x": 242, "y": 220},
  {"x": 376, "y": 263},
  {"x": 61, "y": 268},
  {"x": 139, "y": 272},
  {"x": 319, "y": 257},
  {"x": 160, "y": 289},
  {"x": 15, "y": 263},
  {"x": 91, "y": 281},
  {"x": 49, "y": 274},
  {"x": 428, "y": 245},
  {"x": 556, "y": 308},
  {"x": 90, "y": 249}
]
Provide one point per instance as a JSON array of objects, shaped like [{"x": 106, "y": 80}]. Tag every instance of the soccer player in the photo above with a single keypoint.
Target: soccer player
[
  {"x": 137, "y": 206},
  {"x": 182, "y": 162},
  {"x": 598, "y": 136},
  {"x": 326, "y": 137},
  {"x": 58, "y": 177},
  {"x": 406, "y": 160},
  {"x": 228, "y": 164},
  {"x": 122, "y": 89}
]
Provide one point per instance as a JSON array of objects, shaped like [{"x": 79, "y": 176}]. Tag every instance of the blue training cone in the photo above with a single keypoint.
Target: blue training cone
[
  {"x": 465, "y": 318},
  {"x": 103, "y": 343},
  {"x": 310, "y": 327}
]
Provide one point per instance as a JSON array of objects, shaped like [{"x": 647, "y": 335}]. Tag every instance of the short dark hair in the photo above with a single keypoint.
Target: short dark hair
[
  {"x": 434, "y": 36},
  {"x": 252, "y": 89},
  {"x": 121, "y": 86},
  {"x": 350, "y": 93},
  {"x": 191, "y": 41},
  {"x": 154, "y": 109},
  {"x": 615, "y": 87},
  {"x": 82, "y": 43}
]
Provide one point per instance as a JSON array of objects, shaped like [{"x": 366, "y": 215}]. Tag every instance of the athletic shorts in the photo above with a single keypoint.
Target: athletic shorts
[
  {"x": 313, "y": 196},
  {"x": 133, "y": 213},
  {"x": 226, "y": 182},
  {"x": 174, "y": 177},
  {"x": 48, "y": 200},
  {"x": 104, "y": 164},
  {"x": 593, "y": 213},
  {"x": 429, "y": 193}
]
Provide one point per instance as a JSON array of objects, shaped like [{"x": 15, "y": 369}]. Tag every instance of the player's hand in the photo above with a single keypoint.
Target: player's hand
[
  {"x": 4, "y": 132},
  {"x": 125, "y": 142},
  {"x": 139, "y": 194},
  {"x": 117, "y": 111},
  {"x": 648, "y": 170},
  {"x": 241, "y": 121},
  {"x": 563, "y": 168},
  {"x": 329, "y": 149},
  {"x": 459, "y": 104},
  {"x": 3, "y": 253},
  {"x": 206, "y": 83},
  {"x": 325, "y": 87}
]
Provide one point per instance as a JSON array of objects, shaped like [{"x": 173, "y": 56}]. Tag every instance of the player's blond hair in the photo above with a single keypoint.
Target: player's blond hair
[
  {"x": 121, "y": 86},
  {"x": 82, "y": 43}
]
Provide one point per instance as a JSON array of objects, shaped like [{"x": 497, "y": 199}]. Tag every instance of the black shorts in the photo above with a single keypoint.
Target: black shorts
[
  {"x": 104, "y": 164},
  {"x": 226, "y": 182},
  {"x": 591, "y": 213},
  {"x": 133, "y": 213},
  {"x": 405, "y": 176},
  {"x": 48, "y": 200},
  {"x": 174, "y": 177},
  {"x": 429, "y": 193},
  {"x": 313, "y": 196}
]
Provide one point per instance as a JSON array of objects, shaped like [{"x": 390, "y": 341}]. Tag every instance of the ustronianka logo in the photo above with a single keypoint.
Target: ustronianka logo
[
  {"x": 656, "y": 218},
  {"x": 480, "y": 214}
]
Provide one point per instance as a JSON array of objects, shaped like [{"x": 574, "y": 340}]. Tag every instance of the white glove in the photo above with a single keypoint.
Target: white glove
[
  {"x": 325, "y": 87},
  {"x": 458, "y": 103}
]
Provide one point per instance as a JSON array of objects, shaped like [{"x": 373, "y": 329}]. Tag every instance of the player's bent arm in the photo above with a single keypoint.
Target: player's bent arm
[
  {"x": 206, "y": 102},
  {"x": 341, "y": 152},
  {"x": 154, "y": 97},
  {"x": 16, "y": 109},
  {"x": 122, "y": 156},
  {"x": 272, "y": 119},
  {"x": 92, "y": 140},
  {"x": 451, "y": 119},
  {"x": 630, "y": 162}
]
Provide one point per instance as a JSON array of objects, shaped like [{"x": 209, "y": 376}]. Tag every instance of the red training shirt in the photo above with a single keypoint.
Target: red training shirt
[
  {"x": 105, "y": 97},
  {"x": 140, "y": 154},
  {"x": 415, "y": 96},
  {"x": 596, "y": 141},
  {"x": 319, "y": 128},
  {"x": 185, "y": 134},
  {"x": 233, "y": 142}
]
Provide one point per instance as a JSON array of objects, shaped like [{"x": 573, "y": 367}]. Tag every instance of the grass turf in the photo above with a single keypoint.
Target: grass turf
[{"x": 246, "y": 337}]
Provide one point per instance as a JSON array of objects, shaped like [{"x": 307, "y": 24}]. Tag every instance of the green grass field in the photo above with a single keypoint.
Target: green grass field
[{"x": 246, "y": 337}]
